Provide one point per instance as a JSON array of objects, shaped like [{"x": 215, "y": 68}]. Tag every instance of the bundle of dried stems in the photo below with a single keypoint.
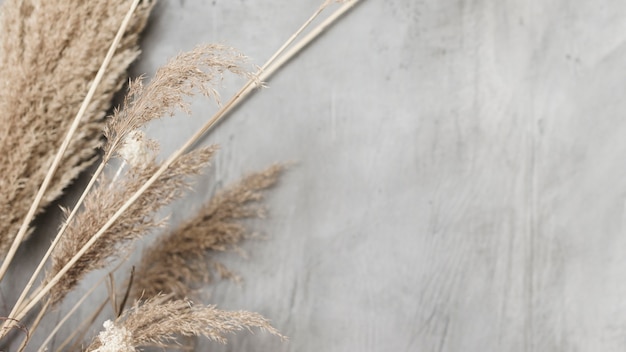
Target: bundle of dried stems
[{"x": 61, "y": 63}]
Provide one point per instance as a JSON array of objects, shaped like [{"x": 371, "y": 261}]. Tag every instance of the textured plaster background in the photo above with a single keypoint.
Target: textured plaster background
[{"x": 459, "y": 183}]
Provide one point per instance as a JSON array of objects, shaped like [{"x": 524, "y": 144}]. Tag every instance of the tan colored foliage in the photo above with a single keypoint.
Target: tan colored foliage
[
  {"x": 178, "y": 262},
  {"x": 161, "y": 322},
  {"x": 49, "y": 54},
  {"x": 198, "y": 70},
  {"x": 104, "y": 200}
]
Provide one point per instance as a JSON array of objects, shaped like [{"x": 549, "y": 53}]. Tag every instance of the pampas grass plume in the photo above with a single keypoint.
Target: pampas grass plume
[{"x": 46, "y": 65}]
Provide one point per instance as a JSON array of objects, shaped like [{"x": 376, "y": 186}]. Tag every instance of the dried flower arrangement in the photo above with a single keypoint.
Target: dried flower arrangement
[{"x": 62, "y": 62}]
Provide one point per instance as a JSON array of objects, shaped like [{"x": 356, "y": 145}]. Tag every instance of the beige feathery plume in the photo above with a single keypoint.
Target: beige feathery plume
[
  {"x": 139, "y": 219},
  {"x": 50, "y": 51},
  {"x": 178, "y": 262},
  {"x": 198, "y": 70},
  {"x": 160, "y": 322}
]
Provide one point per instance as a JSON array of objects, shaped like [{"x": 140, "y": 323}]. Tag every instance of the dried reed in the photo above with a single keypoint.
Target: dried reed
[
  {"x": 103, "y": 201},
  {"x": 46, "y": 65},
  {"x": 160, "y": 321},
  {"x": 51, "y": 74},
  {"x": 178, "y": 262},
  {"x": 200, "y": 69}
]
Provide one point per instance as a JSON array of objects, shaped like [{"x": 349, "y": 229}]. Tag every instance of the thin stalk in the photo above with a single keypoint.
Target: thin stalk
[
  {"x": 42, "y": 312},
  {"x": 307, "y": 39},
  {"x": 82, "y": 329},
  {"x": 70, "y": 313},
  {"x": 294, "y": 36},
  {"x": 68, "y": 137},
  {"x": 275, "y": 63},
  {"x": 303, "y": 43},
  {"x": 56, "y": 240},
  {"x": 83, "y": 108},
  {"x": 65, "y": 225},
  {"x": 117, "y": 173},
  {"x": 237, "y": 98},
  {"x": 81, "y": 301}
]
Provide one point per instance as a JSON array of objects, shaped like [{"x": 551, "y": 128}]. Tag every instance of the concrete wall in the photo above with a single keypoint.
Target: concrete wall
[{"x": 459, "y": 183}]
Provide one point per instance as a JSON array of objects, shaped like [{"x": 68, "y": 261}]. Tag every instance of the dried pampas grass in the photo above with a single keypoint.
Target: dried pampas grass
[
  {"x": 138, "y": 221},
  {"x": 179, "y": 262},
  {"x": 50, "y": 53},
  {"x": 199, "y": 70},
  {"x": 160, "y": 321}
]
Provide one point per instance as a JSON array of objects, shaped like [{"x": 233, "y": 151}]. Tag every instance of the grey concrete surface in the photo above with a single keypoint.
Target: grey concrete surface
[{"x": 459, "y": 183}]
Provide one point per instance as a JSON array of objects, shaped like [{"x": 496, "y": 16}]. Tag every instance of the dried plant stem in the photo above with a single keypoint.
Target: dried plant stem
[
  {"x": 307, "y": 39},
  {"x": 60, "y": 323},
  {"x": 272, "y": 66},
  {"x": 34, "y": 326},
  {"x": 278, "y": 61},
  {"x": 78, "y": 304},
  {"x": 23, "y": 229},
  {"x": 82, "y": 330},
  {"x": 294, "y": 36},
  {"x": 42, "y": 263},
  {"x": 57, "y": 159}
]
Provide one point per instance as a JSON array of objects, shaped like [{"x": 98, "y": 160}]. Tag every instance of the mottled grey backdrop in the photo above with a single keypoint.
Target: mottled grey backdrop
[{"x": 460, "y": 172}]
